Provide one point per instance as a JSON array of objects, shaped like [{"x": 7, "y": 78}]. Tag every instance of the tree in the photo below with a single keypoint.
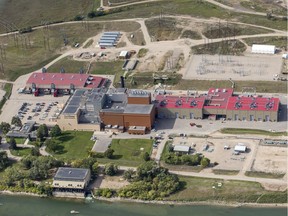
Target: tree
[
  {"x": 51, "y": 145},
  {"x": 91, "y": 14},
  {"x": 12, "y": 143},
  {"x": 0, "y": 140},
  {"x": 55, "y": 131},
  {"x": 128, "y": 174},
  {"x": 5, "y": 127},
  {"x": 146, "y": 156},
  {"x": 205, "y": 162},
  {"x": 109, "y": 153},
  {"x": 42, "y": 132},
  {"x": 111, "y": 169},
  {"x": 16, "y": 121},
  {"x": 4, "y": 160},
  {"x": 35, "y": 151}
]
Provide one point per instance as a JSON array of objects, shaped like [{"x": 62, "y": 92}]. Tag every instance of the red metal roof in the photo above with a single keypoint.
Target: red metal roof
[
  {"x": 171, "y": 101},
  {"x": 260, "y": 103},
  {"x": 63, "y": 80},
  {"x": 217, "y": 98}
]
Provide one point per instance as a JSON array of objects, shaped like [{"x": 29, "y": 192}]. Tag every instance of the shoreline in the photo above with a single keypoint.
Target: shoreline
[
  {"x": 198, "y": 203},
  {"x": 156, "y": 202}
]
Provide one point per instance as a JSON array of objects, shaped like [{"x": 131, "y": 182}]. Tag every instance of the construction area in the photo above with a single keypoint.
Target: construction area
[{"x": 221, "y": 67}]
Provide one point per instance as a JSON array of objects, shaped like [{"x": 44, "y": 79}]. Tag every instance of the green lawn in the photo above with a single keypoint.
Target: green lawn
[
  {"x": 127, "y": 152},
  {"x": 69, "y": 65},
  {"x": 252, "y": 131},
  {"x": 21, "y": 152},
  {"x": 74, "y": 145},
  {"x": 200, "y": 189}
]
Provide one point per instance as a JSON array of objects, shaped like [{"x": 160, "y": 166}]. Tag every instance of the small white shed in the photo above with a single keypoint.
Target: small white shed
[
  {"x": 240, "y": 148},
  {"x": 181, "y": 148},
  {"x": 263, "y": 49}
]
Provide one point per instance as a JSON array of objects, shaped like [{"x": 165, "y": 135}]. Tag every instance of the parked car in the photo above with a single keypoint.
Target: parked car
[{"x": 192, "y": 124}]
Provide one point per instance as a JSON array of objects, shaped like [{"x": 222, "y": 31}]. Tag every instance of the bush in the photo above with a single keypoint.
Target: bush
[
  {"x": 146, "y": 156},
  {"x": 109, "y": 153},
  {"x": 12, "y": 143},
  {"x": 111, "y": 169}
]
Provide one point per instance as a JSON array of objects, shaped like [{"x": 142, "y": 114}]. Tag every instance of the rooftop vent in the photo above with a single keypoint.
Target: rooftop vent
[
  {"x": 238, "y": 105},
  {"x": 253, "y": 105},
  {"x": 163, "y": 103},
  {"x": 178, "y": 103},
  {"x": 193, "y": 103}
]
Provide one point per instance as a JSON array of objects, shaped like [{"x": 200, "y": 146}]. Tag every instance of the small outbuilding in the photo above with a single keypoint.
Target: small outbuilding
[
  {"x": 181, "y": 148},
  {"x": 263, "y": 49},
  {"x": 123, "y": 54},
  {"x": 71, "y": 178},
  {"x": 240, "y": 148}
]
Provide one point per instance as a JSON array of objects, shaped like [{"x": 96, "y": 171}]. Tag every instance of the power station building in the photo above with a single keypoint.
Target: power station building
[
  {"x": 115, "y": 109},
  {"x": 216, "y": 104},
  {"x": 66, "y": 83}
]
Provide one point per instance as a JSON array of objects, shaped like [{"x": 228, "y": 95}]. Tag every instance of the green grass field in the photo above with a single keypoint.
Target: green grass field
[
  {"x": 252, "y": 131},
  {"x": 277, "y": 41},
  {"x": 261, "y": 86},
  {"x": 225, "y": 172},
  {"x": 200, "y": 189},
  {"x": 26, "y": 13},
  {"x": 21, "y": 152},
  {"x": 127, "y": 152},
  {"x": 73, "y": 145},
  {"x": 38, "y": 48},
  {"x": 69, "y": 65},
  {"x": 264, "y": 174}
]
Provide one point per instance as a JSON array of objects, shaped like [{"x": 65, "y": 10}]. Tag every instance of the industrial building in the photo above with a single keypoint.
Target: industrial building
[
  {"x": 128, "y": 109},
  {"x": 109, "y": 39},
  {"x": 218, "y": 104},
  {"x": 66, "y": 83},
  {"x": 115, "y": 110},
  {"x": 263, "y": 49},
  {"x": 71, "y": 182}
]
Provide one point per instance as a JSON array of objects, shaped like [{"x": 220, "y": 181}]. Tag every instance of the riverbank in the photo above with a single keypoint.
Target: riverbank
[
  {"x": 196, "y": 203},
  {"x": 156, "y": 202},
  {"x": 7, "y": 192}
]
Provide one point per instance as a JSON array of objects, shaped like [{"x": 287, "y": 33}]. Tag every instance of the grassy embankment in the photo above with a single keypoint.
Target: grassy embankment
[
  {"x": 128, "y": 152},
  {"x": 258, "y": 174},
  {"x": 277, "y": 41},
  {"x": 252, "y": 131},
  {"x": 201, "y": 189},
  {"x": 8, "y": 90}
]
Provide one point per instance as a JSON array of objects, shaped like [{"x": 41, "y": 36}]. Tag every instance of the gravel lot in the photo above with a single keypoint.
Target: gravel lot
[{"x": 271, "y": 159}]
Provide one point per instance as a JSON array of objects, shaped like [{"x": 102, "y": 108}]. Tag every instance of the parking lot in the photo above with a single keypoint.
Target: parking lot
[
  {"x": 43, "y": 109},
  {"x": 221, "y": 150}
]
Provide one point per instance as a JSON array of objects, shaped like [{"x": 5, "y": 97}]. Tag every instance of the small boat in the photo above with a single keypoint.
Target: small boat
[{"x": 74, "y": 212}]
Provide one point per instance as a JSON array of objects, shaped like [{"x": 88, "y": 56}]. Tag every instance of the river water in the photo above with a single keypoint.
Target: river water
[{"x": 30, "y": 206}]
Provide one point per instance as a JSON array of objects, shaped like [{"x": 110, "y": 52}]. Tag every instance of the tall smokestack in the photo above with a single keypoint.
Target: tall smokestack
[{"x": 122, "y": 82}]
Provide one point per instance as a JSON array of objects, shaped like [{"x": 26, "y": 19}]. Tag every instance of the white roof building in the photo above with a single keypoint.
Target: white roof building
[
  {"x": 240, "y": 148},
  {"x": 181, "y": 148},
  {"x": 123, "y": 54},
  {"x": 263, "y": 49}
]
